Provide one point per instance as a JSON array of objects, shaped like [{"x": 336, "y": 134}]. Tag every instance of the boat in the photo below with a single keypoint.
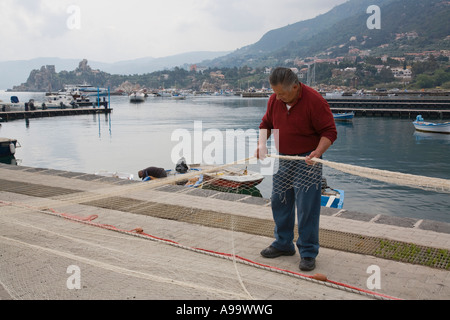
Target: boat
[
  {"x": 88, "y": 90},
  {"x": 137, "y": 96},
  {"x": 331, "y": 198},
  {"x": 347, "y": 116},
  {"x": 8, "y": 147},
  {"x": 178, "y": 96},
  {"x": 82, "y": 101},
  {"x": 434, "y": 127},
  {"x": 84, "y": 90},
  {"x": 233, "y": 180},
  {"x": 57, "y": 101},
  {"x": 14, "y": 105}
]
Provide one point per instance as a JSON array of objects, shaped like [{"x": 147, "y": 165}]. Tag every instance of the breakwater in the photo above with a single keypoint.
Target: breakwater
[
  {"x": 430, "y": 108},
  {"x": 14, "y": 115}
]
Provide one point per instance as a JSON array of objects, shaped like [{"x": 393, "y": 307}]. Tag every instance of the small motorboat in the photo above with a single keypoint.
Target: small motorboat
[
  {"x": 434, "y": 127},
  {"x": 347, "y": 116},
  {"x": 137, "y": 96},
  {"x": 8, "y": 147},
  {"x": 331, "y": 198},
  {"x": 233, "y": 180},
  {"x": 57, "y": 101},
  {"x": 178, "y": 96}
]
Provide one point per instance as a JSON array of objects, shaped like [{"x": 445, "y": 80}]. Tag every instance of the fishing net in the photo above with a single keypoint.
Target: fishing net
[{"x": 129, "y": 236}]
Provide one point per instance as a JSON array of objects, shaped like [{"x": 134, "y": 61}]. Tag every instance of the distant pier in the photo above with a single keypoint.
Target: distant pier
[
  {"x": 15, "y": 115},
  {"x": 255, "y": 94},
  {"x": 392, "y": 107}
]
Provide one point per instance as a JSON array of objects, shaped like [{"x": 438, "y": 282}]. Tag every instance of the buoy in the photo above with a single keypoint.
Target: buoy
[
  {"x": 320, "y": 277},
  {"x": 12, "y": 148}
]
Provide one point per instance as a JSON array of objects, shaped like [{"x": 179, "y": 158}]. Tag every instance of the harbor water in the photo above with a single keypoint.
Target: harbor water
[{"x": 136, "y": 136}]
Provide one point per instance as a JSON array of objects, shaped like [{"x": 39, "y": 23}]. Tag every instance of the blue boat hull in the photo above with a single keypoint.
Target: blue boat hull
[
  {"x": 343, "y": 116},
  {"x": 331, "y": 201}
]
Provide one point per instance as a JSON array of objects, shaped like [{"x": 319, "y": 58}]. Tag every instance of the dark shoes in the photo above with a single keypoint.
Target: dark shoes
[
  {"x": 307, "y": 264},
  {"x": 271, "y": 252}
]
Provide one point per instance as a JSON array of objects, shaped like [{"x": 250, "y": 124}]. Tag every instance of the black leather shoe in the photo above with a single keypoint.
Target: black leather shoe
[
  {"x": 271, "y": 252},
  {"x": 307, "y": 264}
]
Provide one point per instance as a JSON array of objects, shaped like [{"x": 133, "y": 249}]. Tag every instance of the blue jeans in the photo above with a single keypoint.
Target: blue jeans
[{"x": 297, "y": 184}]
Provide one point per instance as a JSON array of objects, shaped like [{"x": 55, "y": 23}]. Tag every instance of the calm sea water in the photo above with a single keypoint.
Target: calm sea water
[{"x": 136, "y": 136}]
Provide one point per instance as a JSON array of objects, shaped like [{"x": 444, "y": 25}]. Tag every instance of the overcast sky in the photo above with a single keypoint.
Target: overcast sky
[{"x": 112, "y": 30}]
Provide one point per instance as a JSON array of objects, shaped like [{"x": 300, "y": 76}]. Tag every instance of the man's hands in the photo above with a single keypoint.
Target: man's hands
[
  {"x": 314, "y": 154},
  {"x": 323, "y": 146},
  {"x": 261, "y": 152}
]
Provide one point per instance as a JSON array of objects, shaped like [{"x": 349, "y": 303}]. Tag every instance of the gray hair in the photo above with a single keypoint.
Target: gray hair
[{"x": 283, "y": 76}]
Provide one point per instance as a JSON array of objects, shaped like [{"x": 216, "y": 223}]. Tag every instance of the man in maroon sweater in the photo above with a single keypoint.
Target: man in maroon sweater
[{"x": 303, "y": 125}]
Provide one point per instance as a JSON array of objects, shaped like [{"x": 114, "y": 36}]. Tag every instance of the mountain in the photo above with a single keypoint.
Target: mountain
[
  {"x": 149, "y": 64},
  {"x": 427, "y": 18},
  {"x": 14, "y": 72}
]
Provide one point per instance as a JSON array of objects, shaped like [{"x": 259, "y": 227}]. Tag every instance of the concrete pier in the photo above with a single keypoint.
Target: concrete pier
[
  {"x": 14, "y": 115},
  {"x": 145, "y": 241},
  {"x": 392, "y": 107}
]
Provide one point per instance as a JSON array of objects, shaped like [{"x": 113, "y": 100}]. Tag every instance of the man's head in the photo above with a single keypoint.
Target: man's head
[{"x": 285, "y": 84}]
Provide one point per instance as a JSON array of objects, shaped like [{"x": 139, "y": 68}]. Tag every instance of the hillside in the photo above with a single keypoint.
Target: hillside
[{"x": 329, "y": 34}]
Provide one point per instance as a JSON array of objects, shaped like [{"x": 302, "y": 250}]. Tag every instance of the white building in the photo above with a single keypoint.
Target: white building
[{"x": 400, "y": 73}]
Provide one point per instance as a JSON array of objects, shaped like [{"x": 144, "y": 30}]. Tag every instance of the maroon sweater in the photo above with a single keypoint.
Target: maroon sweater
[{"x": 300, "y": 128}]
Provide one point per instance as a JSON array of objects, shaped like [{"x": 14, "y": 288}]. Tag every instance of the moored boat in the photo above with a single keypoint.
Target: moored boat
[
  {"x": 234, "y": 180},
  {"x": 347, "y": 116},
  {"x": 8, "y": 147},
  {"x": 137, "y": 96},
  {"x": 58, "y": 101},
  {"x": 434, "y": 127},
  {"x": 331, "y": 198}
]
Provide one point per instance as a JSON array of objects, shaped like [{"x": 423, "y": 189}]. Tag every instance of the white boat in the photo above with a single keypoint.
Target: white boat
[
  {"x": 233, "y": 180},
  {"x": 137, "y": 96},
  {"x": 435, "y": 127},
  {"x": 16, "y": 105},
  {"x": 91, "y": 91},
  {"x": 58, "y": 101}
]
